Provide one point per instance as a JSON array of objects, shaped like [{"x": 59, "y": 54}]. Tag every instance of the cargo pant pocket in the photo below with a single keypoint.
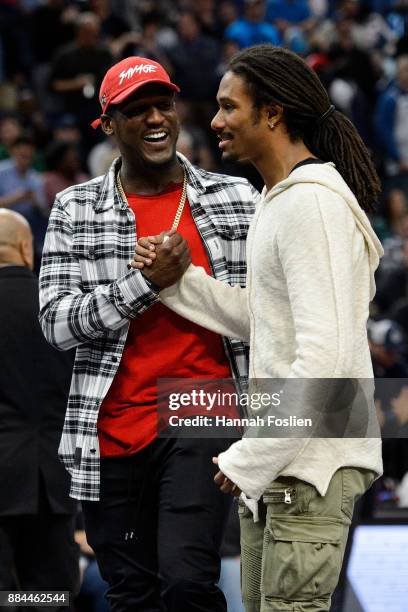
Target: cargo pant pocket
[{"x": 302, "y": 558}]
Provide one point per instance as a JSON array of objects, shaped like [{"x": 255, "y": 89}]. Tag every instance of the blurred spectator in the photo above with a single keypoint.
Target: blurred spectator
[
  {"x": 77, "y": 72},
  {"x": 351, "y": 63},
  {"x": 394, "y": 285},
  {"x": 37, "y": 548},
  {"x": 402, "y": 492},
  {"x": 387, "y": 346},
  {"x": 195, "y": 138},
  {"x": 193, "y": 60},
  {"x": 197, "y": 155},
  {"x": 114, "y": 28},
  {"x": 293, "y": 18},
  {"x": 93, "y": 589},
  {"x": 148, "y": 42},
  {"x": 252, "y": 29},
  {"x": 128, "y": 9},
  {"x": 22, "y": 189},
  {"x": 393, "y": 258},
  {"x": 319, "y": 8},
  {"x": 399, "y": 407},
  {"x": 399, "y": 314},
  {"x": 156, "y": 26},
  {"x": 101, "y": 156},
  {"x": 351, "y": 78},
  {"x": 91, "y": 597},
  {"x": 391, "y": 123},
  {"x": 401, "y": 47},
  {"x": 33, "y": 122},
  {"x": 51, "y": 25},
  {"x": 286, "y": 12},
  {"x": 227, "y": 14},
  {"x": 65, "y": 129},
  {"x": 395, "y": 430},
  {"x": 390, "y": 223},
  {"x": 15, "y": 45},
  {"x": 206, "y": 14},
  {"x": 228, "y": 50},
  {"x": 185, "y": 144},
  {"x": 10, "y": 130},
  {"x": 64, "y": 169},
  {"x": 371, "y": 32}
]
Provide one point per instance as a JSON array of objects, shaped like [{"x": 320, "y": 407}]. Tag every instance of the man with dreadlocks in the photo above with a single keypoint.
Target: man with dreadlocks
[{"x": 311, "y": 259}]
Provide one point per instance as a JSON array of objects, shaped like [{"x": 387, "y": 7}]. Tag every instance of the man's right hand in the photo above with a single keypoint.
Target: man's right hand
[{"x": 163, "y": 258}]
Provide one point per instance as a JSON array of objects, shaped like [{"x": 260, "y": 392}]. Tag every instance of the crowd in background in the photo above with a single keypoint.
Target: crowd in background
[{"x": 54, "y": 53}]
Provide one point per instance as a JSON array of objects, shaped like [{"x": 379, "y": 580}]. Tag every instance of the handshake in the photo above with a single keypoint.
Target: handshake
[{"x": 163, "y": 258}]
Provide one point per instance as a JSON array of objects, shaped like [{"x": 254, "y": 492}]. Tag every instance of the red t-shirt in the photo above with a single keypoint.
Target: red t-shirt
[{"x": 159, "y": 344}]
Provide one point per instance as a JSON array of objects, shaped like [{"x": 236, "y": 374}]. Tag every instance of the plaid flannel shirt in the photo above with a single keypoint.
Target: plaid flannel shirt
[{"x": 88, "y": 296}]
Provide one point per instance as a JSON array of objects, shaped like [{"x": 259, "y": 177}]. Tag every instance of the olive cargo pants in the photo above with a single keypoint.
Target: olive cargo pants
[{"x": 291, "y": 559}]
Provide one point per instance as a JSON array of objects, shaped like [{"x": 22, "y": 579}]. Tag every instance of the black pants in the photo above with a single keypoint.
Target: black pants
[
  {"x": 157, "y": 528},
  {"x": 38, "y": 552}
]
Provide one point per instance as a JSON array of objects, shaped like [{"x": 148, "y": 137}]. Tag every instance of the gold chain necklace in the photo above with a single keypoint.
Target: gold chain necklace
[{"x": 180, "y": 207}]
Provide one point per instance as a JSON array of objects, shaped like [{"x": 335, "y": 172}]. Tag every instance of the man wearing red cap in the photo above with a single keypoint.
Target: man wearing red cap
[{"x": 152, "y": 512}]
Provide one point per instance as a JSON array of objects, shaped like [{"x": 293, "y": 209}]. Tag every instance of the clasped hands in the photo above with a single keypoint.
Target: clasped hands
[{"x": 164, "y": 259}]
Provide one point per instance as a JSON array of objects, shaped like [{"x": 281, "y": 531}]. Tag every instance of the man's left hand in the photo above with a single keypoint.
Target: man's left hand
[{"x": 226, "y": 485}]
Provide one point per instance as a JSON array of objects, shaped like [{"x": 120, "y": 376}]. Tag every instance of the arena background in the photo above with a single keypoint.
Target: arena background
[{"x": 53, "y": 54}]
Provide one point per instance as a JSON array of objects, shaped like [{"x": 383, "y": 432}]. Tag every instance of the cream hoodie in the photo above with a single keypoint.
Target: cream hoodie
[{"x": 311, "y": 256}]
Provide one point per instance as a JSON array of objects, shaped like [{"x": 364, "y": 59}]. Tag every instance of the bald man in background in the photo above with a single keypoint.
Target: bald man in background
[{"x": 37, "y": 548}]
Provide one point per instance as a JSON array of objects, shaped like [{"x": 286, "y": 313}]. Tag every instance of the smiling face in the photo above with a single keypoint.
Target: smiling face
[
  {"x": 241, "y": 128},
  {"x": 146, "y": 126}
]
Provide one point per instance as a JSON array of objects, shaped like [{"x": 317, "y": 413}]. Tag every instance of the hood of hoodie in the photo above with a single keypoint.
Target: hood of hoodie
[{"x": 328, "y": 176}]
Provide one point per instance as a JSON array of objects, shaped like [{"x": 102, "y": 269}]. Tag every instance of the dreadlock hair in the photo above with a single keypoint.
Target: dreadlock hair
[{"x": 276, "y": 76}]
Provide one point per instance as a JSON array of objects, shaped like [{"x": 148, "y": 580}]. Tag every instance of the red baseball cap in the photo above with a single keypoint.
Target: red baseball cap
[{"x": 126, "y": 77}]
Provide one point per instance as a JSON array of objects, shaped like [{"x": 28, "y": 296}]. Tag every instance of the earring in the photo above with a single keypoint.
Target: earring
[{"x": 271, "y": 125}]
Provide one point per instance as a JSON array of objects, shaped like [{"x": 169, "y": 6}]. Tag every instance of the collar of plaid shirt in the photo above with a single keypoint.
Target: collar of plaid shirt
[
  {"x": 195, "y": 179},
  {"x": 87, "y": 295}
]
